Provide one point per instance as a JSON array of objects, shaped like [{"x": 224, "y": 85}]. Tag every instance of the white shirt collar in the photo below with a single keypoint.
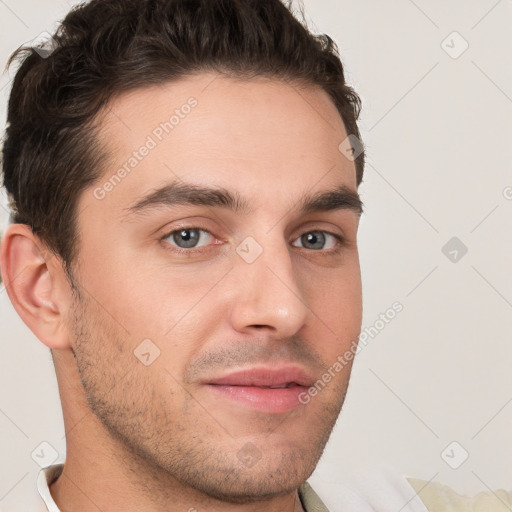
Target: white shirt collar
[{"x": 44, "y": 479}]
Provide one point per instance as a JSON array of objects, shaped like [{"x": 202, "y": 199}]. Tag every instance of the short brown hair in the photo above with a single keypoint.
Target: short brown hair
[{"x": 106, "y": 47}]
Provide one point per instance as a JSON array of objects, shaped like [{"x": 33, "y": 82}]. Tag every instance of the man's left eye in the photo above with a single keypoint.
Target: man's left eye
[{"x": 316, "y": 240}]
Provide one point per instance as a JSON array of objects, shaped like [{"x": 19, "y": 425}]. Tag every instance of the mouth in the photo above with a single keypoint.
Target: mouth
[{"x": 269, "y": 390}]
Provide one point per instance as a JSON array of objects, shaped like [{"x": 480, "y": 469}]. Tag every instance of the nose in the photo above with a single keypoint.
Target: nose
[{"x": 267, "y": 294}]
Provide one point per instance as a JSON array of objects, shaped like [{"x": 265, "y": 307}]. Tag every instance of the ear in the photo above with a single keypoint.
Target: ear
[{"x": 36, "y": 284}]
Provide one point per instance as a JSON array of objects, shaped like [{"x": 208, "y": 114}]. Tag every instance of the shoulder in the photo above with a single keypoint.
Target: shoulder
[
  {"x": 369, "y": 488},
  {"x": 441, "y": 498},
  {"x": 365, "y": 489}
]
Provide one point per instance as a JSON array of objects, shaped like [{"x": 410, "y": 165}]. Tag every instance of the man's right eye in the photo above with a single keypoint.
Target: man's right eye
[{"x": 188, "y": 239}]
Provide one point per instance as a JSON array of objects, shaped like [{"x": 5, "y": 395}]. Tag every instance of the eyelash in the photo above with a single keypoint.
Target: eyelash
[{"x": 340, "y": 242}]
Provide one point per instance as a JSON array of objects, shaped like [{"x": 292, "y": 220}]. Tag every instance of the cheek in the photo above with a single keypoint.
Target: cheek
[
  {"x": 338, "y": 288},
  {"x": 174, "y": 300},
  {"x": 148, "y": 295},
  {"x": 335, "y": 299}
]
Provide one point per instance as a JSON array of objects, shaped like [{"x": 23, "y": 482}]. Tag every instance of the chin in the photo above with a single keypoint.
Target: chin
[
  {"x": 250, "y": 476},
  {"x": 244, "y": 487}
]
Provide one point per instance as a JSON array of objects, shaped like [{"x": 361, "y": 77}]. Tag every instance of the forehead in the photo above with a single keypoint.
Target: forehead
[{"x": 263, "y": 136}]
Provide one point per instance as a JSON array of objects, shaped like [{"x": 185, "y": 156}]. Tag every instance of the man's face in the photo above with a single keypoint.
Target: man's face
[{"x": 178, "y": 337}]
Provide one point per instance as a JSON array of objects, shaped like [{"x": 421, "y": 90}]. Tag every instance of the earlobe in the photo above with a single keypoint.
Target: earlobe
[{"x": 35, "y": 288}]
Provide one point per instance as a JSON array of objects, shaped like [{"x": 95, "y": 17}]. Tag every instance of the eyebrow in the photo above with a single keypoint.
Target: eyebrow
[{"x": 176, "y": 194}]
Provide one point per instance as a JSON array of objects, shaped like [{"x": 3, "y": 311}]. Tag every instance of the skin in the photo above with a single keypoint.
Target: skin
[{"x": 153, "y": 437}]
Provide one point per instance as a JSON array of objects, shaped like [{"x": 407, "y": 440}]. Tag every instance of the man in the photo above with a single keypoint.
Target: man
[{"x": 183, "y": 177}]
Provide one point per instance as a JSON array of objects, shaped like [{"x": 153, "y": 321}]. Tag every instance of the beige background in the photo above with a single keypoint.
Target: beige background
[{"x": 437, "y": 124}]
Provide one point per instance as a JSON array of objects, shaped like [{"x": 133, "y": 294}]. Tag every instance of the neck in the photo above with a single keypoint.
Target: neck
[{"x": 85, "y": 486}]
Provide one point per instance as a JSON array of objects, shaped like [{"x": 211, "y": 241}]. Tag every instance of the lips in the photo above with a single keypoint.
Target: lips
[{"x": 270, "y": 390}]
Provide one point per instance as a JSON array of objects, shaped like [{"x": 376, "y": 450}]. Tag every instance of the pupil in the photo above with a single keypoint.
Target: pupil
[
  {"x": 315, "y": 238},
  {"x": 186, "y": 238}
]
